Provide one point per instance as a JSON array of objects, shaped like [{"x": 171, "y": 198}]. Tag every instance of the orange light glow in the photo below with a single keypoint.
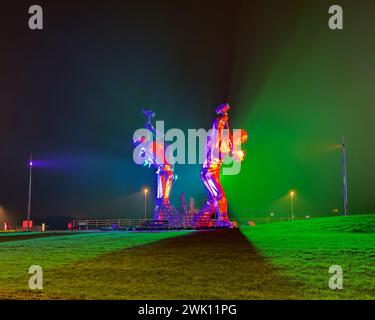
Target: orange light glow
[{"x": 239, "y": 155}]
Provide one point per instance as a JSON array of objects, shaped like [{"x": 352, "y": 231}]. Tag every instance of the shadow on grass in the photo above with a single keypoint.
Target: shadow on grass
[{"x": 201, "y": 265}]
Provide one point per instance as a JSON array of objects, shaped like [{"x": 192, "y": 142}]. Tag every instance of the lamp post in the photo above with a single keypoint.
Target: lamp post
[
  {"x": 145, "y": 192},
  {"x": 272, "y": 214},
  {"x": 29, "y": 198},
  {"x": 292, "y": 194},
  {"x": 345, "y": 195}
]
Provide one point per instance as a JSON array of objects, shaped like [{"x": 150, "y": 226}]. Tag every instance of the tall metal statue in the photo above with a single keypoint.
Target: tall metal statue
[
  {"x": 219, "y": 144},
  {"x": 154, "y": 156}
]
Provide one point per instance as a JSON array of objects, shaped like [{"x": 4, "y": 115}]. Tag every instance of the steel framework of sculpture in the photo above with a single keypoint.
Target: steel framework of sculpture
[
  {"x": 219, "y": 144},
  {"x": 154, "y": 156}
]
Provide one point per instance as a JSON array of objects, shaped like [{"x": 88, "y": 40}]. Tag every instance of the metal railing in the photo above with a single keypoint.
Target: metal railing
[
  {"x": 263, "y": 220},
  {"x": 132, "y": 223},
  {"x": 107, "y": 223}
]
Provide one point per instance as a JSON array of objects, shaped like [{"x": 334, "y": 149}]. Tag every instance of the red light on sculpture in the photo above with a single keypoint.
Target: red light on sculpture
[
  {"x": 239, "y": 137},
  {"x": 6, "y": 226}
]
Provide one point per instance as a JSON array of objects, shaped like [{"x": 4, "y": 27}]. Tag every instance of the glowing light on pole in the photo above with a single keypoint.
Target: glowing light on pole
[
  {"x": 145, "y": 191},
  {"x": 272, "y": 214},
  {"x": 29, "y": 198},
  {"x": 292, "y": 194}
]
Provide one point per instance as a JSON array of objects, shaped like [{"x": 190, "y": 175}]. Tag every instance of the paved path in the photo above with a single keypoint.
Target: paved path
[{"x": 27, "y": 236}]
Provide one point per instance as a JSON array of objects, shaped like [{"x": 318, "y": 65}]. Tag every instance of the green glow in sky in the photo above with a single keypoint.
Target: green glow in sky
[{"x": 298, "y": 86}]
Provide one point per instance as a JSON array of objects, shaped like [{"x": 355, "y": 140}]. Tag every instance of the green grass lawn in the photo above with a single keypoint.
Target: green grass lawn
[
  {"x": 58, "y": 251},
  {"x": 287, "y": 260},
  {"x": 305, "y": 250},
  {"x": 201, "y": 265}
]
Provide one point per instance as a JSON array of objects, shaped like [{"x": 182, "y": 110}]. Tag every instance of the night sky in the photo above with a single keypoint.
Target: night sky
[{"x": 72, "y": 95}]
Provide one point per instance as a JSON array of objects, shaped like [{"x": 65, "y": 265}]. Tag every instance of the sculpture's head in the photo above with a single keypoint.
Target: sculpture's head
[
  {"x": 222, "y": 109},
  {"x": 148, "y": 113}
]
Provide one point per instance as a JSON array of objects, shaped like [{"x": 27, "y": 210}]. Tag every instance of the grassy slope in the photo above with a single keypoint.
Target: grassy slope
[
  {"x": 201, "y": 265},
  {"x": 33, "y": 235},
  {"x": 52, "y": 252},
  {"x": 306, "y": 249}
]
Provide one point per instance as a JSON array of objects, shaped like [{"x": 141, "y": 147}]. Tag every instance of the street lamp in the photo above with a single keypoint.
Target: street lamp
[
  {"x": 29, "y": 198},
  {"x": 145, "y": 190},
  {"x": 292, "y": 194},
  {"x": 272, "y": 214}
]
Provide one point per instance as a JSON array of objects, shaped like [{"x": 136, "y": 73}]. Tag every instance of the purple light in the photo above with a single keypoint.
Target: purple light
[{"x": 30, "y": 163}]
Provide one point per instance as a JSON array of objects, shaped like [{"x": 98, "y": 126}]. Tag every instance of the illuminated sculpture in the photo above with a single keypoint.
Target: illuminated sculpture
[
  {"x": 154, "y": 156},
  {"x": 219, "y": 144}
]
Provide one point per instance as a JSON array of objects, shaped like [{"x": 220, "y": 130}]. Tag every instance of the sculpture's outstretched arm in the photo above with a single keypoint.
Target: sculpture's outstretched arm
[{"x": 150, "y": 114}]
